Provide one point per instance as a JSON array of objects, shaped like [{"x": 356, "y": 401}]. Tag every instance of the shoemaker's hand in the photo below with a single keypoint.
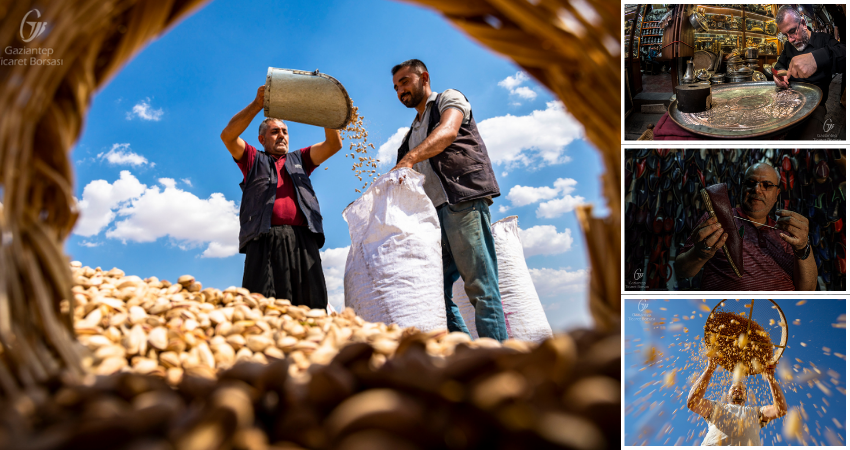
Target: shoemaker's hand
[
  {"x": 802, "y": 66},
  {"x": 796, "y": 228},
  {"x": 708, "y": 237}
]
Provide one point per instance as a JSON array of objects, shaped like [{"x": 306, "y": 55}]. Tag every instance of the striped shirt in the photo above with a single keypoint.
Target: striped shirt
[{"x": 768, "y": 261}]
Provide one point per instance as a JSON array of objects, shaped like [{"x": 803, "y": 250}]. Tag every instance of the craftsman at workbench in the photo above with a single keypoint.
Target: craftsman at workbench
[{"x": 809, "y": 57}]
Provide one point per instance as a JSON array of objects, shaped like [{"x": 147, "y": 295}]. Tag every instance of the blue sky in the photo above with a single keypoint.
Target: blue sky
[
  {"x": 159, "y": 192},
  {"x": 656, "y": 414}
]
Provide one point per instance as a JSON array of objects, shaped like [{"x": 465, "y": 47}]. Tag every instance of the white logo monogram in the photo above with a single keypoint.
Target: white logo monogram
[
  {"x": 828, "y": 125},
  {"x": 37, "y": 27},
  {"x": 642, "y": 305}
]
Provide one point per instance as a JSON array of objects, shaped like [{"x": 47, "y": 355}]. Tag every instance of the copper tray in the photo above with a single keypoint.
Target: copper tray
[
  {"x": 750, "y": 109},
  {"x": 704, "y": 59}
]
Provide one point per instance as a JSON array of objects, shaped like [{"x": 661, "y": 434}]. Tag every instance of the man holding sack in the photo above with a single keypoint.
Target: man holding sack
[{"x": 444, "y": 145}]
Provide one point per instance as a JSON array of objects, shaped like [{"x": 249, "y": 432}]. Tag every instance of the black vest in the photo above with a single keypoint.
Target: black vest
[
  {"x": 258, "y": 195},
  {"x": 463, "y": 168}
]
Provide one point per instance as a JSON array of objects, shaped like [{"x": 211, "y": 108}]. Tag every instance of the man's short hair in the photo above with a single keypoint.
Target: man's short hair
[
  {"x": 264, "y": 125},
  {"x": 415, "y": 64},
  {"x": 785, "y": 12}
]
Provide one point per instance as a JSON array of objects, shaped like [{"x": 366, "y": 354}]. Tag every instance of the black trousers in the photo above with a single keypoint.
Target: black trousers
[{"x": 285, "y": 264}]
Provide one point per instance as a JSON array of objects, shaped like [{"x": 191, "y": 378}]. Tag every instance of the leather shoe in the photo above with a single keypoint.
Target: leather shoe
[
  {"x": 658, "y": 225},
  {"x": 667, "y": 163},
  {"x": 821, "y": 171},
  {"x": 640, "y": 167}
]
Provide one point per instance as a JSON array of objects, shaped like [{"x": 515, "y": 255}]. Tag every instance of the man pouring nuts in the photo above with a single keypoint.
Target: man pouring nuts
[
  {"x": 444, "y": 145},
  {"x": 280, "y": 223}
]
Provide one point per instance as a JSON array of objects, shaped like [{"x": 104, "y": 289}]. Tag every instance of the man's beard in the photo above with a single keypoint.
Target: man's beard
[{"x": 413, "y": 98}]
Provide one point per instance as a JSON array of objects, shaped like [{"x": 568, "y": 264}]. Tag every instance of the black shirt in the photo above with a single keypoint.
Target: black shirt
[{"x": 828, "y": 54}]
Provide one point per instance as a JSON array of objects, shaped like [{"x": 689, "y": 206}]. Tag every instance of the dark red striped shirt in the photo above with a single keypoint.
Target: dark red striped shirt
[{"x": 768, "y": 261}]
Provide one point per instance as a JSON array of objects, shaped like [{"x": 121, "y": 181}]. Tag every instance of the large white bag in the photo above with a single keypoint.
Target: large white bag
[
  {"x": 524, "y": 314},
  {"x": 394, "y": 270}
]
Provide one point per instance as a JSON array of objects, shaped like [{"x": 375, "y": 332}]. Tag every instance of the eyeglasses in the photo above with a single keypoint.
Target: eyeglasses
[{"x": 765, "y": 185}]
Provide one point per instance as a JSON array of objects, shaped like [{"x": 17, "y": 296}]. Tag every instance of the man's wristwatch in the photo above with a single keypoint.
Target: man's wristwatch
[{"x": 803, "y": 254}]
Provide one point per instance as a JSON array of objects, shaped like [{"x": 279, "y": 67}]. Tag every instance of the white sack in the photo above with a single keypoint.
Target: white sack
[
  {"x": 394, "y": 270},
  {"x": 524, "y": 314}
]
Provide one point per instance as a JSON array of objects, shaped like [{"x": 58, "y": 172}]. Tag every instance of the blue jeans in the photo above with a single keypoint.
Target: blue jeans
[{"x": 469, "y": 252}]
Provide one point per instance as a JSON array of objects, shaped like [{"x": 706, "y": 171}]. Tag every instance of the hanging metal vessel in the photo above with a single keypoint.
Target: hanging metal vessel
[
  {"x": 698, "y": 21},
  {"x": 313, "y": 98}
]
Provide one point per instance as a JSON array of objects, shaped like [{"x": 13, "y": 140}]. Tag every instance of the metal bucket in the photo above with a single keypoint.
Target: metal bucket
[{"x": 306, "y": 97}]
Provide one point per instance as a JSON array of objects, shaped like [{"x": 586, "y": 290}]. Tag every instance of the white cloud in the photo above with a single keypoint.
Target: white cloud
[
  {"x": 526, "y": 195},
  {"x": 510, "y": 83},
  {"x": 563, "y": 294},
  {"x": 174, "y": 213},
  {"x": 558, "y": 207},
  {"x": 333, "y": 266},
  {"x": 187, "y": 181},
  {"x": 557, "y": 283},
  {"x": 504, "y": 208},
  {"x": 90, "y": 244},
  {"x": 144, "y": 111},
  {"x": 545, "y": 240},
  {"x": 513, "y": 83},
  {"x": 120, "y": 154},
  {"x": 150, "y": 213},
  {"x": 99, "y": 200},
  {"x": 388, "y": 151},
  {"x": 535, "y": 140},
  {"x": 219, "y": 250},
  {"x": 525, "y": 92},
  {"x": 565, "y": 185}
]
